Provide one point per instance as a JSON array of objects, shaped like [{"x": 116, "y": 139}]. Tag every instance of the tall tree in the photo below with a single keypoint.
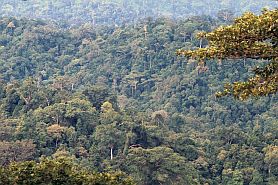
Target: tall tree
[{"x": 251, "y": 36}]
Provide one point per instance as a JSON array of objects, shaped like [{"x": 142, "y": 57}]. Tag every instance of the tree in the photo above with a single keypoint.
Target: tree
[
  {"x": 109, "y": 138},
  {"x": 271, "y": 159},
  {"x": 108, "y": 114},
  {"x": 97, "y": 95},
  {"x": 163, "y": 165},
  {"x": 251, "y": 36},
  {"x": 236, "y": 179},
  {"x": 56, "y": 132},
  {"x": 225, "y": 15},
  {"x": 160, "y": 117},
  {"x": 57, "y": 171},
  {"x": 27, "y": 91},
  {"x": 257, "y": 178},
  {"x": 16, "y": 151}
]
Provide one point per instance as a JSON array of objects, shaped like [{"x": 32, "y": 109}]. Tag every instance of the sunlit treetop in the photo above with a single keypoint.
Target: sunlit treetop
[{"x": 251, "y": 36}]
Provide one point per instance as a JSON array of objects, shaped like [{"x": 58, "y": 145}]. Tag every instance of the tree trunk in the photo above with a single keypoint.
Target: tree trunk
[
  {"x": 269, "y": 169},
  {"x": 48, "y": 102},
  {"x": 201, "y": 43},
  {"x": 132, "y": 91},
  {"x": 111, "y": 153},
  {"x": 126, "y": 144},
  {"x": 57, "y": 119},
  {"x": 72, "y": 86}
]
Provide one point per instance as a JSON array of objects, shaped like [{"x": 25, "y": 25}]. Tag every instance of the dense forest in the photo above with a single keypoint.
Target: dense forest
[
  {"x": 70, "y": 13},
  {"x": 104, "y": 104}
]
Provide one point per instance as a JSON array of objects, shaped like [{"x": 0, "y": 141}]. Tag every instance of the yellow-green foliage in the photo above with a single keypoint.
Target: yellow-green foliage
[
  {"x": 57, "y": 171},
  {"x": 251, "y": 36}
]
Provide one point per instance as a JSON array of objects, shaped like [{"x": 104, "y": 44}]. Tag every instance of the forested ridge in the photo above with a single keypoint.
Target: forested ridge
[
  {"x": 116, "y": 105},
  {"x": 70, "y": 13}
]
